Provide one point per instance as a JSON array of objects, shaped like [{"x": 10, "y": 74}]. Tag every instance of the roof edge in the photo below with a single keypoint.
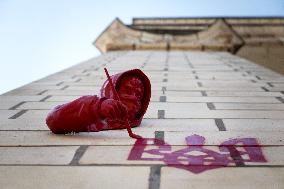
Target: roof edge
[{"x": 100, "y": 35}]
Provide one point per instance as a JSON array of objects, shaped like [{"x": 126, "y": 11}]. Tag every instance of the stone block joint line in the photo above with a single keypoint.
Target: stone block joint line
[
  {"x": 42, "y": 92},
  {"x": 220, "y": 124},
  {"x": 160, "y": 137},
  {"x": 203, "y": 93},
  {"x": 155, "y": 177},
  {"x": 265, "y": 89},
  {"x": 58, "y": 84},
  {"x": 280, "y": 99},
  {"x": 163, "y": 98},
  {"x": 18, "y": 114},
  {"x": 211, "y": 106},
  {"x": 161, "y": 114},
  {"x": 164, "y": 89},
  {"x": 17, "y": 105},
  {"x": 45, "y": 98},
  {"x": 236, "y": 156},
  {"x": 78, "y": 155}
]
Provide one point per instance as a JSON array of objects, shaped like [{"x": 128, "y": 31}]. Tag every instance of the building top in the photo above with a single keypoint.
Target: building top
[{"x": 216, "y": 33}]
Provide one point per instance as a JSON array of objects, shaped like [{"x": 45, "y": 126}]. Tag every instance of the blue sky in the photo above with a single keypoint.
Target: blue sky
[{"x": 40, "y": 37}]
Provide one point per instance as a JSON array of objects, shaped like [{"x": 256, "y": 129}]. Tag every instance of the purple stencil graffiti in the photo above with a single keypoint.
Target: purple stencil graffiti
[{"x": 195, "y": 157}]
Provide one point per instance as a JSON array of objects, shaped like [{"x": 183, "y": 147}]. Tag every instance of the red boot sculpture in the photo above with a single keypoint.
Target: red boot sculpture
[{"x": 123, "y": 103}]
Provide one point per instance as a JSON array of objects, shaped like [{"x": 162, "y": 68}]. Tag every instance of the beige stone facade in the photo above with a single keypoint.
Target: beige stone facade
[{"x": 213, "y": 95}]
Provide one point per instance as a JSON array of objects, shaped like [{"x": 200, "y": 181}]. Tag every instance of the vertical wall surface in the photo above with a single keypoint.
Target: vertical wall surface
[{"x": 214, "y": 121}]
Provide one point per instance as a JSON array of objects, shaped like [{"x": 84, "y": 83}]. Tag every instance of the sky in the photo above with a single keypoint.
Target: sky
[{"x": 41, "y": 37}]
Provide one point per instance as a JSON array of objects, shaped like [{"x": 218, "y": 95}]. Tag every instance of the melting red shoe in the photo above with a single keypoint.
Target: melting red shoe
[{"x": 93, "y": 113}]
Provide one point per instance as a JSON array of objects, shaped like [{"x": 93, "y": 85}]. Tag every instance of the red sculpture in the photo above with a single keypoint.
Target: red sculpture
[{"x": 123, "y": 103}]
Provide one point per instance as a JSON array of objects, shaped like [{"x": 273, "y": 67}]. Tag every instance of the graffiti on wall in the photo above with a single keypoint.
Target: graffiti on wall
[{"x": 195, "y": 157}]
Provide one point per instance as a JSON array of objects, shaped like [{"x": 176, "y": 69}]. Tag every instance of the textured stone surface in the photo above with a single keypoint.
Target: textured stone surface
[
  {"x": 251, "y": 125},
  {"x": 46, "y": 138},
  {"x": 177, "y": 125},
  {"x": 217, "y": 96},
  {"x": 269, "y": 138},
  {"x": 246, "y": 106},
  {"x": 44, "y": 177},
  {"x": 254, "y": 178},
  {"x": 37, "y": 155}
]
